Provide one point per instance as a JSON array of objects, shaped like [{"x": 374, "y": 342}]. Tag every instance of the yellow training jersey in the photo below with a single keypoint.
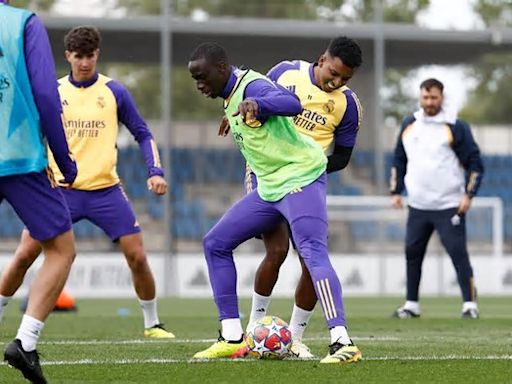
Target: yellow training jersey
[
  {"x": 330, "y": 118},
  {"x": 92, "y": 112}
]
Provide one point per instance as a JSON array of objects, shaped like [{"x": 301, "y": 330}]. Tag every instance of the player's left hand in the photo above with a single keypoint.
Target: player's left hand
[
  {"x": 157, "y": 185},
  {"x": 464, "y": 205}
]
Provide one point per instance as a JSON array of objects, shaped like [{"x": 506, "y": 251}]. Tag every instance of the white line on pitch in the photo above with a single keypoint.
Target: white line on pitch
[
  {"x": 185, "y": 341},
  {"x": 179, "y": 361}
]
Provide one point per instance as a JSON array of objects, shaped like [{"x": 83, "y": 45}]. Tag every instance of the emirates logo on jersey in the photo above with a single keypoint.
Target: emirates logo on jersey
[
  {"x": 329, "y": 106},
  {"x": 101, "y": 102}
]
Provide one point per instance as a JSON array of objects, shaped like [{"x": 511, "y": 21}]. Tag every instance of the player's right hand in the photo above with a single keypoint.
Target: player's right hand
[
  {"x": 396, "y": 201},
  {"x": 224, "y": 127},
  {"x": 69, "y": 172}
]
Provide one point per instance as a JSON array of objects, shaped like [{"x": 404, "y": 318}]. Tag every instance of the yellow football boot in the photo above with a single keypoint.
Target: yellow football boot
[
  {"x": 222, "y": 349},
  {"x": 158, "y": 332},
  {"x": 342, "y": 354}
]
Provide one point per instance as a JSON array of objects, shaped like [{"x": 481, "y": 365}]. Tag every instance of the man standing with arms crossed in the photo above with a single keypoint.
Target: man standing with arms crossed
[{"x": 30, "y": 110}]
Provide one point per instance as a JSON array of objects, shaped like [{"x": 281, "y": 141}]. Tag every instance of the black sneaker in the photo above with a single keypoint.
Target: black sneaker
[{"x": 26, "y": 362}]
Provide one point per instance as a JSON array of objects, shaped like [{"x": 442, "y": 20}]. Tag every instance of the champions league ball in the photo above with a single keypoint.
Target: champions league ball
[{"x": 269, "y": 338}]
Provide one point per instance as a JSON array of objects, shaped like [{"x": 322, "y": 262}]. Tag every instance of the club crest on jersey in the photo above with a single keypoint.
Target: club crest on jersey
[
  {"x": 101, "y": 102},
  {"x": 329, "y": 106}
]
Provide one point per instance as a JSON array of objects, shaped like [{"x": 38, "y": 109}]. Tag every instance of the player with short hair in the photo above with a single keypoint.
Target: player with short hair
[
  {"x": 331, "y": 115},
  {"x": 94, "y": 105},
  {"x": 439, "y": 163},
  {"x": 290, "y": 169},
  {"x": 30, "y": 112}
]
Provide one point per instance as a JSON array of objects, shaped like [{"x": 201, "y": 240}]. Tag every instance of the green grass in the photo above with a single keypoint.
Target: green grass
[{"x": 96, "y": 345}]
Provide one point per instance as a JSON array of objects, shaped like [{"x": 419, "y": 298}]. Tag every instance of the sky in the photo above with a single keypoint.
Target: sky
[{"x": 441, "y": 15}]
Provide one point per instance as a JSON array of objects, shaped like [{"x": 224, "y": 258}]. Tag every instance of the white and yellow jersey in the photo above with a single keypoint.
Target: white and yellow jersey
[
  {"x": 92, "y": 112},
  {"x": 330, "y": 118}
]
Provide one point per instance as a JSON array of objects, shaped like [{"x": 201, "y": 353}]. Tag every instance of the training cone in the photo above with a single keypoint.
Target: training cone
[{"x": 65, "y": 302}]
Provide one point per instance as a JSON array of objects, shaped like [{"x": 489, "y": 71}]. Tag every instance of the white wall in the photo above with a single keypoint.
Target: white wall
[{"x": 107, "y": 275}]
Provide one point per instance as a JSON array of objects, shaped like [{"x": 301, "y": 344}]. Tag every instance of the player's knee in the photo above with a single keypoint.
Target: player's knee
[
  {"x": 24, "y": 257},
  {"x": 312, "y": 246},
  {"x": 276, "y": 254},
  {"x": 137, "y": 259},
  {"x": 211, "y": 243}
]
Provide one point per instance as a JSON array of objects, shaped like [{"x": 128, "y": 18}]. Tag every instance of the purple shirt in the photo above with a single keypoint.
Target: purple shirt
[
  {"x": 272, "y": 99},
  {"x": 41, "y": 71}
]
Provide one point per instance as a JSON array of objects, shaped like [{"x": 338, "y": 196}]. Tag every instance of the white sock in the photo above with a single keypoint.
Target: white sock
[
  {"x": 299, "y": 322},
  {"x": 469, "y": 305},
  {"x": 259, "y": 307},
  {"x": 28, "y": 332},
  {"x": 340, "y": 334},
  {"x": 413, "y": 306},
  {"x": 149, "y": 312},
  {"x": 3, "y": 303},
  {"x": 232, "y": 329}
]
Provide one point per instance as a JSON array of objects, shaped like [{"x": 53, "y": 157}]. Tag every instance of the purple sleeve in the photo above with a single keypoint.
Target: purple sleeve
[
  {"x": 346, "y": 132},
  {"x": 128, "y": 114},
  {"x": 272, "y": 99},
  {"x": 276, "y": 71},
  {"x": 41, "y": 71}
]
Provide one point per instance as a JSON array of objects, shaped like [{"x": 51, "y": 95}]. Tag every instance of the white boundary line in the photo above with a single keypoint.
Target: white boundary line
[
  {"x": 180, "y": 361},
  {"x": 186, "y": 341}
]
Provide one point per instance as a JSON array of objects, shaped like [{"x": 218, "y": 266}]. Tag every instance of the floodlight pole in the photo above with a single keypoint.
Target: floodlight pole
[
  {"x": 166, "y": 109},
  {"x": 378, "y": 124}
]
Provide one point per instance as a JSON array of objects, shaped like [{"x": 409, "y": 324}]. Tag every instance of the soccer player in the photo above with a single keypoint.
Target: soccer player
[
  {"x": 331, "y": 115},
  {"x": 93, "y": 107},
  {"x": 290, "y": 169},
  {"x": 30, "y": 110},
  {"x": 439, "y": 163}
]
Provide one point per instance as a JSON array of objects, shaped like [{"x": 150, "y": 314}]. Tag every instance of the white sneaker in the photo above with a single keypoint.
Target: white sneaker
[
  {"x": 470, "y": 310},
  {"x": 404, "y": 313},
  {"x": 301, "y": 350}
]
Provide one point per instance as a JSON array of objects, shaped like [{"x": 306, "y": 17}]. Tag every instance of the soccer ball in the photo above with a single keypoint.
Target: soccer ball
[{"x": 269, "y": 338}]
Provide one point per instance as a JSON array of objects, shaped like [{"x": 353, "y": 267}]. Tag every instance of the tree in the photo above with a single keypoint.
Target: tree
[
  {"x": 35, "y": 5},
  {"x": 397, "y": 99},
  {"x": 494, "y": 13},
  {"x": 490, "y": 100},
  {"x": 143, "y": 81},
  {"x": 339, "y": 10}
]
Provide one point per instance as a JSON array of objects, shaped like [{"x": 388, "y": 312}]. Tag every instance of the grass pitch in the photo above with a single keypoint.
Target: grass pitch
[{"x": 103, "y": 343}]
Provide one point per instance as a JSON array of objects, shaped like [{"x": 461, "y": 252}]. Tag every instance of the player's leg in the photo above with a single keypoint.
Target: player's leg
[
  {"x": 276, "y": 243},
  {"x": 45, "y": 214},
  {"x": 452, "y": 233},
  {"x": 14, "y": 272},
  {"x": 110, "y": 210},
  {"x": 144, "y": 283},
  {"x": 249, "y": 217},
  {"x": 305, "y": 301},
  {"x": 306, "y": 212},
  {"x": 418, "y": 232}
]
